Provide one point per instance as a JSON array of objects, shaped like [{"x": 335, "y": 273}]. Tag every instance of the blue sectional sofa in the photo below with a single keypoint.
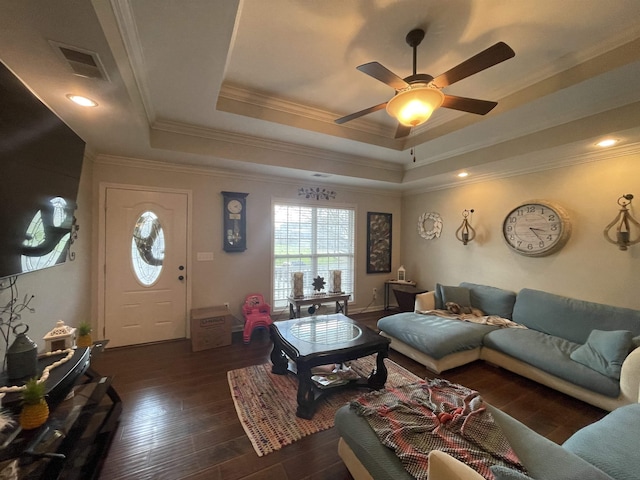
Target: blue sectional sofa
[
  {"x": 603, "y": 450},
  {"x": 583, "y": 349}
]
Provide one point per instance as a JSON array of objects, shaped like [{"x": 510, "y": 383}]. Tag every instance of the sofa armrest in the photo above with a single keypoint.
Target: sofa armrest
[{"x": 630, "y": 377}]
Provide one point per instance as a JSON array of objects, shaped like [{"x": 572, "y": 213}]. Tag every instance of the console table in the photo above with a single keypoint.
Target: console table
[
  {"x": 389, "y": 283},
  {"x": 84, "y": 412},
  {"x": 296, "y": 303}
]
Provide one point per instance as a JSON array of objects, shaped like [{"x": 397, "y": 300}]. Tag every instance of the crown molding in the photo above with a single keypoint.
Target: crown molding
[
  {"x": 552, "y": 162},
  {"x": 158, "y": 166},
  {"x": 273, "y": 145}
]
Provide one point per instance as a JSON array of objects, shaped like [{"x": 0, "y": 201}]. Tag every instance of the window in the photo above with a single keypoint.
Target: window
[{"x": 312, "y": 240}]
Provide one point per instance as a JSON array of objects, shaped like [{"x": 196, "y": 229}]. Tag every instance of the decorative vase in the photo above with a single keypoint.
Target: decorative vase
[
  {"x": 297, "y": 287},
  {"x": 335, "y": 283},
  {"x": 22, "y": 355},
  {"x": 84, "y": 340},
  {"x": 34, "y": 415}
]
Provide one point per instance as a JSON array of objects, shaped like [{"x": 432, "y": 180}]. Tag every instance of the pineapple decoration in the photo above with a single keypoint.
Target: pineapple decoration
[
  {"x": 35, "y": 410},
  {"x": 84, "y": 335}
]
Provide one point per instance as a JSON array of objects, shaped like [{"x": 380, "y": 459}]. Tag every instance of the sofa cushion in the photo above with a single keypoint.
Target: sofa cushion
[
  {"x": 569, "y": 318},
  {"x": 491, "y": 300},
  {"x": 609, "y": 443},
  {"x": 505, "y": 473},
  {"x": 552, "y": 355},
  {"x": 381, "y": 462},
  {"x": 604, "y": 351},
  {"x": 544, "y": 459},
  {"x": 434, "y": 336}
]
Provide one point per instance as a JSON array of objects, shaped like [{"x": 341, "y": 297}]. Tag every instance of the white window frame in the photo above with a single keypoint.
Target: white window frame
[{"x": 284, "y": 276}]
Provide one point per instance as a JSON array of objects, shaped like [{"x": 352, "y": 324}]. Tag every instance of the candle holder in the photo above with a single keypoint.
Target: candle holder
[
  {"x": 297, "y": 286},
  {"x": 335, "y": 281},
  {"x": 624, "y": 221},
  {"x": 465, "y": 233}
]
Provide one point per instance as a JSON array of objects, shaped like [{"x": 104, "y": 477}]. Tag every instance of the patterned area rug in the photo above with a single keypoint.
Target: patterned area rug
[{"x": 266, "y": 403}]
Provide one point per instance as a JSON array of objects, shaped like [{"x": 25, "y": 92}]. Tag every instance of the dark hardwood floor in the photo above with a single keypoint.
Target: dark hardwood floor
[{"x": 179, "y": 421}]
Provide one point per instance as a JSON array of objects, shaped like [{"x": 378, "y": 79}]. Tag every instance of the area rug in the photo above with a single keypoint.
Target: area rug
[{"x": 266, "y": 403}]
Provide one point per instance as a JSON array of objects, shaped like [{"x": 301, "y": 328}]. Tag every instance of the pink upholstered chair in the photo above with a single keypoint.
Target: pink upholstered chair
[{"x": 256, "y": 313}]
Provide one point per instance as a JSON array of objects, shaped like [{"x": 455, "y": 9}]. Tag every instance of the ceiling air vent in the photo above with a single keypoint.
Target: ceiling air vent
[{"x": 83, "y": 63}]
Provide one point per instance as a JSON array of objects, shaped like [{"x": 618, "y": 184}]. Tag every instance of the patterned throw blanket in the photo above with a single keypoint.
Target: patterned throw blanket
[
  {"x": 470, "y": 317},
  {"x": 437, "y": 415}
]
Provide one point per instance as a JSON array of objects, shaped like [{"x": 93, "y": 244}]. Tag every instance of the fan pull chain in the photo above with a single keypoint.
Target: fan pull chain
[{"x": 413, "y": 155}]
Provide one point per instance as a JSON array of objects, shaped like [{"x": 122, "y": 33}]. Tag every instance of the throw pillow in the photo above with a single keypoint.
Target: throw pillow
[
  {"x": 505, "y": 473},
  {"x": 443, "y": 466},
  {"x": 425, "y": 301},
  {"x": 459, "y": 295},
  {"x": 604, "y": 351}
]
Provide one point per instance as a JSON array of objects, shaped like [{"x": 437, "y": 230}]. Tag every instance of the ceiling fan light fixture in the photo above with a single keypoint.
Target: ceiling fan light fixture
[{"x": 413, "y": 107}]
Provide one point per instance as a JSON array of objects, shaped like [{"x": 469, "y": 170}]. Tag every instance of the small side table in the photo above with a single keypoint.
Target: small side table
[
  {"x": 389, "y": 283},
  {"x": 296, "y": 303}
]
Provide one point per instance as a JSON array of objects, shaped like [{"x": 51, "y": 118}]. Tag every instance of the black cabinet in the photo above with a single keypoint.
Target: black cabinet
[{"x": 84, "y": 412}]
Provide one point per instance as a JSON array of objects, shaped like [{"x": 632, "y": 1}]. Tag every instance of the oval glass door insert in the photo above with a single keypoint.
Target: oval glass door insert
[{"x": 147, "y": 248}]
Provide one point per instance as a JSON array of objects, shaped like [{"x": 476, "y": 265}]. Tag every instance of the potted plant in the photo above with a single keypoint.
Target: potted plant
[
  {"x": 35, "y": 409},
  {"x": 84, "y": 335}
]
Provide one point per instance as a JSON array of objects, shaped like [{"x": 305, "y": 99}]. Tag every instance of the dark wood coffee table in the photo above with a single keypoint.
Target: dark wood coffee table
[{"x": 301, "y": 344}]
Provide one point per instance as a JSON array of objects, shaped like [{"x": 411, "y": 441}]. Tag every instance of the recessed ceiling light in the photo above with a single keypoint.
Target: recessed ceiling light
[
  {"x": 607, "y": 142},
  {"x": 82, "y": 101},
  {"x": 463, "y": 174}
]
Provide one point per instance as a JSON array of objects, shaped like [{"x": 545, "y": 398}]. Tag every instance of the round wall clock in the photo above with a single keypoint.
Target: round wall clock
[
  {"x": 536, "y": 228},
  {"x": 429, "y": 225}
]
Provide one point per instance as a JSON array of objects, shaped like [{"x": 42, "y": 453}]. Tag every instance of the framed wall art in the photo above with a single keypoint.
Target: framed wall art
[{"x": 378, "y": 242}]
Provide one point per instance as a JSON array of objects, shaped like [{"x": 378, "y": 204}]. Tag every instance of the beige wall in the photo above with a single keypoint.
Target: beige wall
[
  {"x": 231, "y": 276},
  {"x": 587, "y": 267}
]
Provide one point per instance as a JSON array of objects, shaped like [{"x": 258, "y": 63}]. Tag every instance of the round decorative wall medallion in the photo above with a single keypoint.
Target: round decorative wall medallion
[{"x": 430, "y": 225}]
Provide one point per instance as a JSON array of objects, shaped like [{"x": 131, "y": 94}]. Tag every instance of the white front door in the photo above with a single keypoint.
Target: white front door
[{"x": 145, "y": 266}]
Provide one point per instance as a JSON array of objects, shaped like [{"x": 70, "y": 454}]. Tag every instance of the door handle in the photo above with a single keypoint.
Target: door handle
[
  {"x": 181, "y": 277},
  {"x": 181, "y": 267}
]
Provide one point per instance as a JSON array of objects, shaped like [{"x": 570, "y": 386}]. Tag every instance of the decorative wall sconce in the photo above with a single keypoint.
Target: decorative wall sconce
[
  {"x": 465, "y": 233},
  {"x": 623, "y": 230}
]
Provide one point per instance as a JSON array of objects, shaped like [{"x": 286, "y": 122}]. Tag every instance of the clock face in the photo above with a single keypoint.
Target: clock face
[
  {"x": 234, "y": 206},
  {"x": 536, "y": 229}
]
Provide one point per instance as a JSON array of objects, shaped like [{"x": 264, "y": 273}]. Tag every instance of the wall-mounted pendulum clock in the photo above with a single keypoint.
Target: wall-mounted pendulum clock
[{"x": 234, "y": 222}]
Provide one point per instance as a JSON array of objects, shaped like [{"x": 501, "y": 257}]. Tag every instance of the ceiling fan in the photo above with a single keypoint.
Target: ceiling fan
[{"x": 418, "y": 95}]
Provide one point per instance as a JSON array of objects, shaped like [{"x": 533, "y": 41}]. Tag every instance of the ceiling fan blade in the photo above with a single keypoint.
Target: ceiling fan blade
[
  {"x": 471, "y": 105},
  {"x": 361, "y": 113},
  {"x": 402, "y": 131},
  {"x": 483, "y": 60},
  {"x": 379, "y": 72}
]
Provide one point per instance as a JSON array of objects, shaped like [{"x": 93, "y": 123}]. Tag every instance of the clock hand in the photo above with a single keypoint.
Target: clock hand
[{"x": 535, "y": 233}]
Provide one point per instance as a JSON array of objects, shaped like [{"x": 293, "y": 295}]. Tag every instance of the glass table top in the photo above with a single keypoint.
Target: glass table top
[{"x": 325, "y": 330}]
